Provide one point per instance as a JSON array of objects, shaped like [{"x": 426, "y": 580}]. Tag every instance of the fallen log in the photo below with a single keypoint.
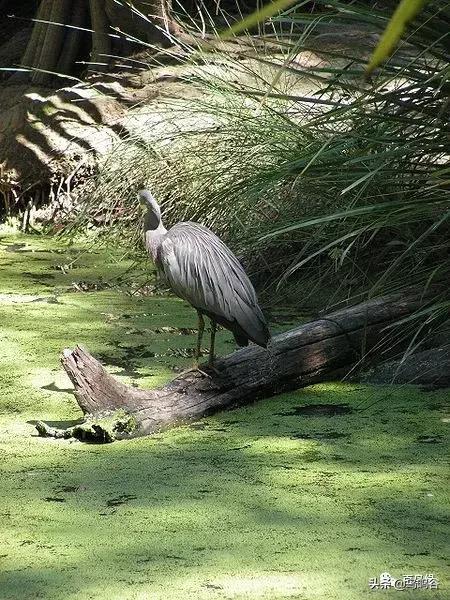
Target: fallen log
[{"x": 304, "y": 355}]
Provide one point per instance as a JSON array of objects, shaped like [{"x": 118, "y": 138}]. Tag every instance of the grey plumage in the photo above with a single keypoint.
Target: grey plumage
[{"x": 202, "y": 270}]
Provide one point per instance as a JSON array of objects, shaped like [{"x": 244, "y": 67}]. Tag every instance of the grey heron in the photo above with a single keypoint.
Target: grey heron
[{"x": 202, "y": 270}]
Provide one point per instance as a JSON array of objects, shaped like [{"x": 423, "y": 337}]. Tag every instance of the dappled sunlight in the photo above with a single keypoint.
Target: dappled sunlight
[
  {"x": 69, "y": 121},
  {"x": 260, "y": 585}
]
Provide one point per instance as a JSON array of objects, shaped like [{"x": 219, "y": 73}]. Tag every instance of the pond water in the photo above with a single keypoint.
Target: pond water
[{"x": 306, "y": 495}]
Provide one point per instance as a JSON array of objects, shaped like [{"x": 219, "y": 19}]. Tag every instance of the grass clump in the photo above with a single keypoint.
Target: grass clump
[{"x": 319, "y": 179}]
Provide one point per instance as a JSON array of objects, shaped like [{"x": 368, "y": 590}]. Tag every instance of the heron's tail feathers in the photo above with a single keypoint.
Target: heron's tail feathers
[{"x": 252, "y": 327}]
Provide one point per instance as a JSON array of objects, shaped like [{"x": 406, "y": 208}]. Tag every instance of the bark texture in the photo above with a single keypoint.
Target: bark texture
[
  {"x": 297, "y": 358},
  {"x": 65, "y": 30}
]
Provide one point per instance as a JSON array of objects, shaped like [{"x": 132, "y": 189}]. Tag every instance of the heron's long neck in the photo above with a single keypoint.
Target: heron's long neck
[{"x": 153, "y": 237}]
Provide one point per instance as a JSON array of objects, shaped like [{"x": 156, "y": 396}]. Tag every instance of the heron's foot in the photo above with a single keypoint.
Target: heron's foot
[
  {"x": 194, "y": 369},
  {"x": 211, "y": 366},
  {"x": 202, "y": 372},
  {"x": 214, "y": 370}
]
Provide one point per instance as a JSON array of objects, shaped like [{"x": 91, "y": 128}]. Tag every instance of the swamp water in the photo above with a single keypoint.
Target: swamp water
[{"x": 306, "y": 495}]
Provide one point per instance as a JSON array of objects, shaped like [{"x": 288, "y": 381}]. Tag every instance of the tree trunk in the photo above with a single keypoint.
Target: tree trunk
[
  {"x": 101, "y": 44},
  {"x": 49, "y": 48},
  {"x": 297, "y": 358},
  {"x": 72, "y": 43},
  {"x": 32, "y": 51},
  {"x": 56, "y": 48}
]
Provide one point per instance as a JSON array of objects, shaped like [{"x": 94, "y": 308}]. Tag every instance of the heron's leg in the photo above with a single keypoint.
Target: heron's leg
[
  {"x": 201, "y": 328},
  {"x": 211, "y": 346}
]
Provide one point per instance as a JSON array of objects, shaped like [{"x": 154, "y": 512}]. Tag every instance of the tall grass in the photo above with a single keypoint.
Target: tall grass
[{"x": 323, "y": 182}]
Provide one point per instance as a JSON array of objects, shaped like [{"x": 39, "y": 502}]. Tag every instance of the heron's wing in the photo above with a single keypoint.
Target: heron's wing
[{"x": 202, "y": 270}]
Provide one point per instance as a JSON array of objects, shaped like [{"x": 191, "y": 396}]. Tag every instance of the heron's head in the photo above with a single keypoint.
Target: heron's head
[{"x": 150, "y": 209}]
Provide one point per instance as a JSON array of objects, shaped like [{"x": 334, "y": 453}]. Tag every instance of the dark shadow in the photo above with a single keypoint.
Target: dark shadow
[
  {"x": 60, "y": 424},
  {"x": 319, "y": 410},
  {"x": 52, "y": 387},
  {"x": 39, "y": 277},
  {"x": 14, "y": 247}
]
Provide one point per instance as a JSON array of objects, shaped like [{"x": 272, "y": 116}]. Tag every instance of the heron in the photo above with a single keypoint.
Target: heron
[{"x": 203, "y": 271}]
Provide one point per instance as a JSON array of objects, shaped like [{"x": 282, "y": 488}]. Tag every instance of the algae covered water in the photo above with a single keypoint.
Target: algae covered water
[{"x": 307, "y": 495}]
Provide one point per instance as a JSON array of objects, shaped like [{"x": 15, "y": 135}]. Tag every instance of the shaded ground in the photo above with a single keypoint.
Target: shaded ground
[{"x": 275, "y": 500}]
